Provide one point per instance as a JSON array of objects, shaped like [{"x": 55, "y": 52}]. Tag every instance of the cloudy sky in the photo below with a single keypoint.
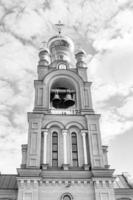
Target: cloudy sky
[{"x": 104, "y": 29}]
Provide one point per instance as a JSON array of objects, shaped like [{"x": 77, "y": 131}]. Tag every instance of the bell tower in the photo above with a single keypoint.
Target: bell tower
[{"x": 64, "y": 158}]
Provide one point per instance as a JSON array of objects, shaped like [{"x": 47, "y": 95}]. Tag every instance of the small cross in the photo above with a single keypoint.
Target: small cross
[
  {"x": 44, "y": 43},
  {"x": 59, "y": 27}
]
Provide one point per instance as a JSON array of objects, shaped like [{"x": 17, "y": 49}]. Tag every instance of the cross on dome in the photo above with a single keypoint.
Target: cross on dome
[{"x": 59, "y": 27}]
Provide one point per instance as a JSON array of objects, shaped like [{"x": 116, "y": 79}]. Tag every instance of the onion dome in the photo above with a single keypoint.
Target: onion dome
[
  {"x": 60, "y": 47},
  {"x": 80, "y": 56},
  {"x": 44, "y": 56}
]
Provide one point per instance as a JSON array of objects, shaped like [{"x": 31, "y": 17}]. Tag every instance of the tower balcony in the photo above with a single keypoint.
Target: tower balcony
[{"x": 64, "y": 111}]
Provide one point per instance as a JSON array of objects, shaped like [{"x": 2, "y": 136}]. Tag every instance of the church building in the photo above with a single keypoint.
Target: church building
[{"x": 64, "y": 158}]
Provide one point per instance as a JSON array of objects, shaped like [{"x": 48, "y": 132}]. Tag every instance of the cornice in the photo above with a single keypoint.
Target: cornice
[{"x": 123, "y": 191}]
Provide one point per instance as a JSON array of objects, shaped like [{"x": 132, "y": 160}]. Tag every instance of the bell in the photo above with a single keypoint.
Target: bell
[
  {"x": 68, "y": 101},
  {"x": 56, "y": 100}
]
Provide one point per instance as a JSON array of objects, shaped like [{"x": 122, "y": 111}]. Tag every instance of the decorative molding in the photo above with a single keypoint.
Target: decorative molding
[
  {"x": 54, "y": 123},
  {"x": 93, "y": 116},
  {"x": 84, "y": 131},
  {"x": 65, "y": 132},
  {"x": 66, "y": 174},
  {"x": 103, "y": 173},
  {"x": 28, "y": 183},
  {"x": 73, "y": 123},
  {"x": 67, "y": 183},
  {"x": 123, "y": 192},
  {"x": 32, "y": 115},
  {"x": 103, "y": 183},
  {"x": 29, "y": 172},
  {"x": 44, "y": 130},
  {"x": 35, "y": 183}
]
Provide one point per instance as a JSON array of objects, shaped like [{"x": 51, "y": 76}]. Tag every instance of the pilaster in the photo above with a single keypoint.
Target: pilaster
[
  {"x": 34, "y": 140},
  {"x": 103, "y": 189},
  {"x": 94, "y": 140},
  {"x": 28, "y": 188}
]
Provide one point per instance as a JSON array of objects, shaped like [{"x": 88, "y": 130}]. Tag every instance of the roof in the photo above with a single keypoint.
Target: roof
[
  {"x": 122, "y": 182},
  {"x": 8, "y": 182}
]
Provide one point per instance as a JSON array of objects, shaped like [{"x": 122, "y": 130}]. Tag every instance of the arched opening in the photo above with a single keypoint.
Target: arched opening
[{"x": 63, "y": 94}]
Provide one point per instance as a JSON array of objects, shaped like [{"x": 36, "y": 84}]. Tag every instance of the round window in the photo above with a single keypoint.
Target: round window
[{"x": 66, "y": 197}]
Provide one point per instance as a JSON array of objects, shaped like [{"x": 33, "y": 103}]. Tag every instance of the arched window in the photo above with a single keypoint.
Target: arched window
[
  {"x": 55, "y": 149},
  {"x": 74, "y": 150}
]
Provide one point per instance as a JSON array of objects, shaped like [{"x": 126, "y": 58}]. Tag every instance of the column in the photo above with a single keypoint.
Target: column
[
  {"x": 45, "y": 133},
  {"x": 84, "y": 148},
  {"x": 24, "y": 155},
  {"x": 65, "y": 164},
  {"x": 64, "y": 132}
]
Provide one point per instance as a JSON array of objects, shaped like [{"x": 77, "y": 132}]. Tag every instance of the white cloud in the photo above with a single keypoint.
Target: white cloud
[
  {"x": 6, "y": 92},
  {"x": 103, "y": 92},
  {"x": 113, "y": 125},
  {"x": 26, "y": 24},
  {"x": 123, "y": 2},
  {"x": 127, "y": 109},
  {"x": 117, "y": 66}
]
